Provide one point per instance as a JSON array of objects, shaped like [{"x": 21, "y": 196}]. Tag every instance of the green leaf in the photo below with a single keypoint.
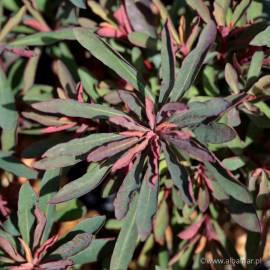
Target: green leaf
[
  {"x": 93, "y": 253},
  {"x": 127, "y": 240},
  {"x": 255, "y": 66},
  {"x": 201, "y": 8},
  {"x": 147, "y": 206},
  {"x": 49, "y": 187},
  {"x": 74, "y": 108},
  {"x": 167, "y": 64},
  {"x": 214, "y": 133},
  {"x": 231, "y": 78},
  {"x": 110, "y": 58},
  {"x": 9, "y": 119},
  {"x": 82, "y": 185},
  {"x": 83, "y": 145},
  {"x": 262, "y": 39},
  {"x": 235, "y": 189},
  {"x": 43, "y": 38},
  {"x": 261, "y": 87},
  {"x": 233, "y": 163},
  {"x": 26, "y": 204},
  {"x": 143, "y": 40},
  {"x": 178, "y": 174},
  {"x": 193, "y": 62},
  {"x": 66, "y": 78},
  {"x": 240, "y": 10},
  {"x": 11, "y": 164}
]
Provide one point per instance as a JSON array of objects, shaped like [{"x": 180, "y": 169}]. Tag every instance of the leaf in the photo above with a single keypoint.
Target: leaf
[
  {"x": 11, "y": 164},
  {"x": 82, "y": 185},
  {"x": 201, "y": 8},
  {"x": 239, "y": 11},
  {"x": 262, "y": 39},
  {"x": 66, "y": 78},
  {"x": 12, "y": 23},
  {"x": 74, "y": 108},
  {"x": 203, "y": 199},
  {"x": 230, "y": 185},
  {"x": 138, "y": 14},
  {"x": 128, "y": 186},
  {"x": 111, "y": 149},
  {"x": 231, "y": 78},
  {"x": 161, "y": 222},
  {"x": 127, "y": 122},
  {"x": 143, "y": 40},
  {"x": 192, "y": 63},
  {"x": 132, "y": 102},
  {"x": 191, "y": 230},
  {"x": 83, "y": 145},
  {"x": 255, "y": 66},
  {"x": 110, "y": 58},
  {"x": 56, "y": 162},
  {"x": 127, "y": 240},
  {"x": 92, "y": 253},
  {"x": 150, "y": 112},
  {"x": 9, "y": 250},
  {"x": 77, "y": 244},
  {"x": 178, "y": 174},
  {"x": 49, "y": 187},
  {"x": 261, "y": 87},
  {"x": 26, "y": 204},
  {"x": 147, "y": 205},
  {"x": 7, "y": 109},
  {"x": 167, "y": 64},
  {"x": 233, "y": 163},
  {"x": 214, "y": 133},
  {"x": 200, "y": 111},
  {"x": 61, "y": 264},
  {"x": 78, "y": 3},
  {"x": 43, "y": 38}
]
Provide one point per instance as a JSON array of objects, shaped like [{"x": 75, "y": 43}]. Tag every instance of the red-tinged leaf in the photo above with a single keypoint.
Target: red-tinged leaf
[
  {"x": 169, "y": 108},
  {"x": 23, "y": 52},
  {"x": 128, "y": 186},
  {"x": 41, "y": 250},
  {"x": 41, "y": 223},
  {"x": 190, "y": 147},
  {"x": 54, "y": 129},
  {"x": 36, "y": 25},
  {"x": 132, "y": 133},
  {"x": 111, "y": 149},
  {"x": 9, "y": 250},
  {"x": 191, "y": 230},
  {"x": 154, "y": 160},
  {"x": 209, "y": 229},
  {"x": 150, "y": 112},
  {"x": 79, "y": 90},
  {"x": 108, "y": 30},
  {"x": 127, "y": 122},
  {"x": 130, "y": 155},
  {"x": 203, "y": 199},
  {"x": 59, "y": 265},
  {"x": 121, "y": 17},
  {"x": 77, "y": 244}
]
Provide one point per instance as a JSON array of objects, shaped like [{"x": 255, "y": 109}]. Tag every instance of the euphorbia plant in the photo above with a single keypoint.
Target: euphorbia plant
[{"x": 150, "y": 126}]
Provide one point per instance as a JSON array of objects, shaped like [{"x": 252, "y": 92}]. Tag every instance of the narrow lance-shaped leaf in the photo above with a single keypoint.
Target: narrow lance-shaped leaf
[
  {"x": 201, "y": 8},
  {"x": 230, "y": 185},
  {"x": 127, "y": 239},
  {"x": 82, "y": 185},
  {"x": 214, "y": 133},
  {"x": 255, "y": 66},
  {"x": 231, "y": 78},
  {"x": 178, "y": 174},
  {"x": 109, "y": 57},
  {"x": 167, "y": 64},
  {"x": 192, "y": 63},
  {"x": 128, "y": 186},
  {"x": 239, "y": 11},
  {"x": 191, "y": 230},
  {"x": 82, "y": 145},
  {"x": 26, "y": 204},
  {"x": 111, "y": 149},
  {"x": 147, "y": 205},
  {"x": 74, "y": 108},
  {"x": 262, "y": 39}
]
